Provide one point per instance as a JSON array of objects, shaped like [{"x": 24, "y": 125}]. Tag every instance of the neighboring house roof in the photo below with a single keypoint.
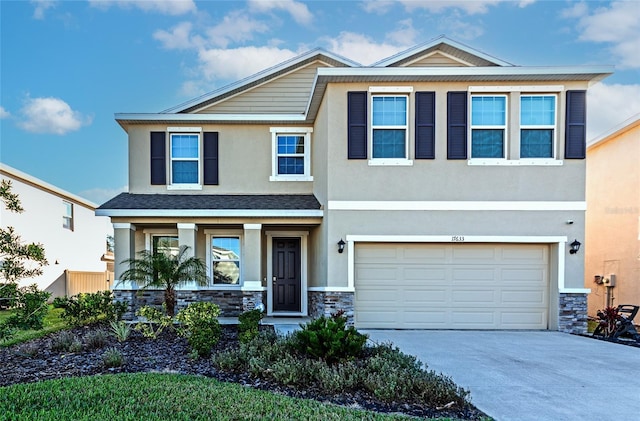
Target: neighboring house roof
[
  {"x": 276, "y": 205},
  {"x": 6, "y": 170},
  {"x": 473, "y": 66},
  {"x": 626, "y": 125},
  {"x": 446, "y": 45}
]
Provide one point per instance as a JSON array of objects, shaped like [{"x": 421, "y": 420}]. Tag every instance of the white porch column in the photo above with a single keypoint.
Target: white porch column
[
  {"x": 187, "y": 237},
  {"x": 252, "y": 257},
  {"x": 123, "y": 248}
]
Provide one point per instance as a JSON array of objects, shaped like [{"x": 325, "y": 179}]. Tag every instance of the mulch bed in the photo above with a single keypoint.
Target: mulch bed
[
  {"x": 623, "y": 341},
  {"x": 35, "y": 361}
]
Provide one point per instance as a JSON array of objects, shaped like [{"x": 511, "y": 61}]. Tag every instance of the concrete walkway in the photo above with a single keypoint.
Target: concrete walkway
[{"x": 534, "y": 376}]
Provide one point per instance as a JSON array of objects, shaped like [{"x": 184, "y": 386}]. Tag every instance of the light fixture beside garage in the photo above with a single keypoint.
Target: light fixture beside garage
[
  {"x": 341, "y": 244},
  {"x": 575, "y": 246}
]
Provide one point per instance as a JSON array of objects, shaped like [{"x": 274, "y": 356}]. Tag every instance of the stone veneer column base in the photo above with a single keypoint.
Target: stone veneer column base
[
  {"x": 231, "y": 302},
  {"x": 326, "y": 303},
  {"x": 572, "y": 313}
]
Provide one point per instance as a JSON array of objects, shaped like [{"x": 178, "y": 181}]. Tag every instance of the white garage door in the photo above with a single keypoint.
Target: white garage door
[{"x": 451, "y": 286}]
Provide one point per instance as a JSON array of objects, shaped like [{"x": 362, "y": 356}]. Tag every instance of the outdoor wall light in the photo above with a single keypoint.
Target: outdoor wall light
[
  {"x": 341, "y": 244},
  {"x": 575, "y": 246}
]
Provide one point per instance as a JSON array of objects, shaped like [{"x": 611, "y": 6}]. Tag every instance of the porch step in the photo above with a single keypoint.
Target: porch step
[{"x": 282, "y": 325}]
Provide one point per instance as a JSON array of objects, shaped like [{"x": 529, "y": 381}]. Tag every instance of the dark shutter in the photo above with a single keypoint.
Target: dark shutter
[
  {"x": 210, "y": 158},
  {"x": 158, "y": 158},
  {"x": 357, "y": 125},
  {"x": 457, "y": 125},
  {"x": 425, "y": 125},
  {"x": 576, "y": 125}
]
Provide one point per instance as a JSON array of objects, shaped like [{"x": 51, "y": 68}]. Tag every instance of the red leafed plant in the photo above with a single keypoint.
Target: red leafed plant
[{"x": 608, "y": 321}]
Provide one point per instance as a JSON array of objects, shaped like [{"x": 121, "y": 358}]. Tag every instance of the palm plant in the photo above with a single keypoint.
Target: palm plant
[{"x": 166, "y": 270}]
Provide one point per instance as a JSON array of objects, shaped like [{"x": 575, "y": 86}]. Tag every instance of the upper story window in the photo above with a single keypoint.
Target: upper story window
[
  {"x": 389, "y": 125},
  {"x": 291, "y": 159},
  {"x": 225, "y": 260},
  {"x": 537, "y": 126},
  {"x": 185, "y": 158},
  {"x": 67, "y": 215},
  {"x": 488, "y": 126}
]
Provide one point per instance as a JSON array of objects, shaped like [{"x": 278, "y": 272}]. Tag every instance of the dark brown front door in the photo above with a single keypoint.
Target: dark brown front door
[{"x": 286, "y": 274}]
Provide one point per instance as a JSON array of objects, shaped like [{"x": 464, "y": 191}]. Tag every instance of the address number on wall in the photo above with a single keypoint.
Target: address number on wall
[{"x": 457, "y": 238}]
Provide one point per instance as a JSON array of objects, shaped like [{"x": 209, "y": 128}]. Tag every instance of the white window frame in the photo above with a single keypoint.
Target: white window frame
[
  {"x": 210, "y": 235},
  {"x": 554, "y": 126},
  {"x": 157, "y": 232},
  {"x": 291, "y": 131},
  {"x": 67, "y": 216},
  {"x": 504, "y": 128},
  {"x": 390, "y": 91},
  {"x": 185, "y": 186}
]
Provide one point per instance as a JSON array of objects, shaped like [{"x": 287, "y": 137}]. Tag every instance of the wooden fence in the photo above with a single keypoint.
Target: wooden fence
[{"x": 77, "y": 282}]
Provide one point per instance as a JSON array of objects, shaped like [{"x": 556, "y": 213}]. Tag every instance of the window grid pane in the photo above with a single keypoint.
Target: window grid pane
[
  {"x": 488, "y": 110},
  {"x": 184, "y": 146},
  {"x": 487, "y": 144},
  {"x": 389, "y": 111},
  {"x": 225, "y": 256},
  {"x": 388, "y": 143},
  {"x": 290, "y": 145},
  {"x": 536, "y": 143},
  {"x": 537, "y": 110},
  {"x": 184, "y": 172},
  {"x": 291, "y": 165}
]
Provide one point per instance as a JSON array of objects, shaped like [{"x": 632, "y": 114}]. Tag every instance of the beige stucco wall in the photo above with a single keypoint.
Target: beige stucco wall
[{"x": 613, "y": 218}]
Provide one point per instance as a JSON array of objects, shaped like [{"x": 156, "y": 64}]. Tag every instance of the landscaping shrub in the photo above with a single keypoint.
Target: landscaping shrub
[
  {"x": 31, "y": 309},
  {"x": 86, "y": 308},
  {"x": 155, "y": 322},
  {"x": 112, "y": 357},
  {"x": 120, "y": 330},
  {"x": 8, "y": 294},
  {"x": 329, "y": 339},
  {"x": 248, "y": 324},
  {"x": 200, "y": 326},
  {"x": 66, "y": 341},
  {"x": 96, "y": 338}
]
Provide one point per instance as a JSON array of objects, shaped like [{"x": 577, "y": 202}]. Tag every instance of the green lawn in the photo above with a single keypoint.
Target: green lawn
[
  {"x": 52, "y": 323},
  {"x": 161, "y": 397}
]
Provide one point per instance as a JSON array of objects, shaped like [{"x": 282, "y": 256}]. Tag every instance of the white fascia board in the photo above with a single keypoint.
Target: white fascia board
[
  {"x": 364, "y": 205},
  {"x": 465, "y": 71},
  {"x": 245, "y": 213},
  {"x": 628, "y": 124},
  {"x": 123, "y": 117},
  {"x": 546, "y": 239}
]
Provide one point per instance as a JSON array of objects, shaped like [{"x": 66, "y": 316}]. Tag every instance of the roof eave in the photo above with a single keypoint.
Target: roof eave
[{"x": 214, "y": 213}]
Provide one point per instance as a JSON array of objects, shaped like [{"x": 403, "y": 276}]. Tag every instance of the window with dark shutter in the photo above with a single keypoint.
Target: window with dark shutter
[
  {"x": 158, "y": 158},
  {"x": 457, "y": 125},
  {"x": 357, "y": 125},
  {"x": 425, "y": 125},
  {"x": 210, "y": 158},
  {"x": 575, "y": 133}
]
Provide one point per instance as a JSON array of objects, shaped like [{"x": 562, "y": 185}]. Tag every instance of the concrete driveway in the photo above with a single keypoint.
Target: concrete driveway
[{"x": 537, "y": 376}]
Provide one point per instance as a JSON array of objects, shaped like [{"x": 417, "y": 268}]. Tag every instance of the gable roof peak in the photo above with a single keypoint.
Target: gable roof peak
[
  {"x": 438, "y": 43},
  {"x": 262, "y": 75}
]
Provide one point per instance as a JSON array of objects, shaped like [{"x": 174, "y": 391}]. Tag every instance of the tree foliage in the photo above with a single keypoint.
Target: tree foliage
[
  {"x": 18, "y": 260},
  {"x": 166, "y": 270}
]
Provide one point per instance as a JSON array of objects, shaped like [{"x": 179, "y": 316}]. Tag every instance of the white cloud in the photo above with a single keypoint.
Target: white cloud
[
  {"x": 298, "y": 11},
  {"x": 179, "y": 37},
  {"x": 617, "y": 25},
  {"x": 51, "y": 115},
  {"x": 235, "y": 27},
  {"x": 610, "y": 105},
  {"x": 405, "y": 35},
  {"x": 470, "y": 7},
  {"x": 379, "y": 7},
  {"x": 236, "y": 63},
  {"x": 41, "y": 7},
  {"x": 459, "y": 28},
  {"x": 165, "y": 7},
  {"x": 4, "y": 113},
  {"x": 100, "y": 195},
  {"x": 362, "y": 49}
]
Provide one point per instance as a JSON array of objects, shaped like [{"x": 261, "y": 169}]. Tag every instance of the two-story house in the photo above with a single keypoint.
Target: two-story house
[{"x": 438, "y": 188}]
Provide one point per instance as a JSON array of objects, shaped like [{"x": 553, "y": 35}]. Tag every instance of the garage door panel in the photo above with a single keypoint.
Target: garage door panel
[
  {"x": 426, "y": 296},
  {"x": 454, "y": 286},
  {"x": 523, "y": 297},
  {"x": 464, "y": 297}
]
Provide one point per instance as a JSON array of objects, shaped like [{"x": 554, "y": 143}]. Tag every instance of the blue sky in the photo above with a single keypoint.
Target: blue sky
[{"x": 67, "y": 66}]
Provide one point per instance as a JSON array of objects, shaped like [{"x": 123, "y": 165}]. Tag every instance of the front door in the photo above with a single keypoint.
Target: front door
[{"x": 286, "y": 275}]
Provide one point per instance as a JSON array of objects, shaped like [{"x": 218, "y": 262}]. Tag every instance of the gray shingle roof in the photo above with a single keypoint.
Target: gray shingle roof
[{"x": 213, "y": 201}]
